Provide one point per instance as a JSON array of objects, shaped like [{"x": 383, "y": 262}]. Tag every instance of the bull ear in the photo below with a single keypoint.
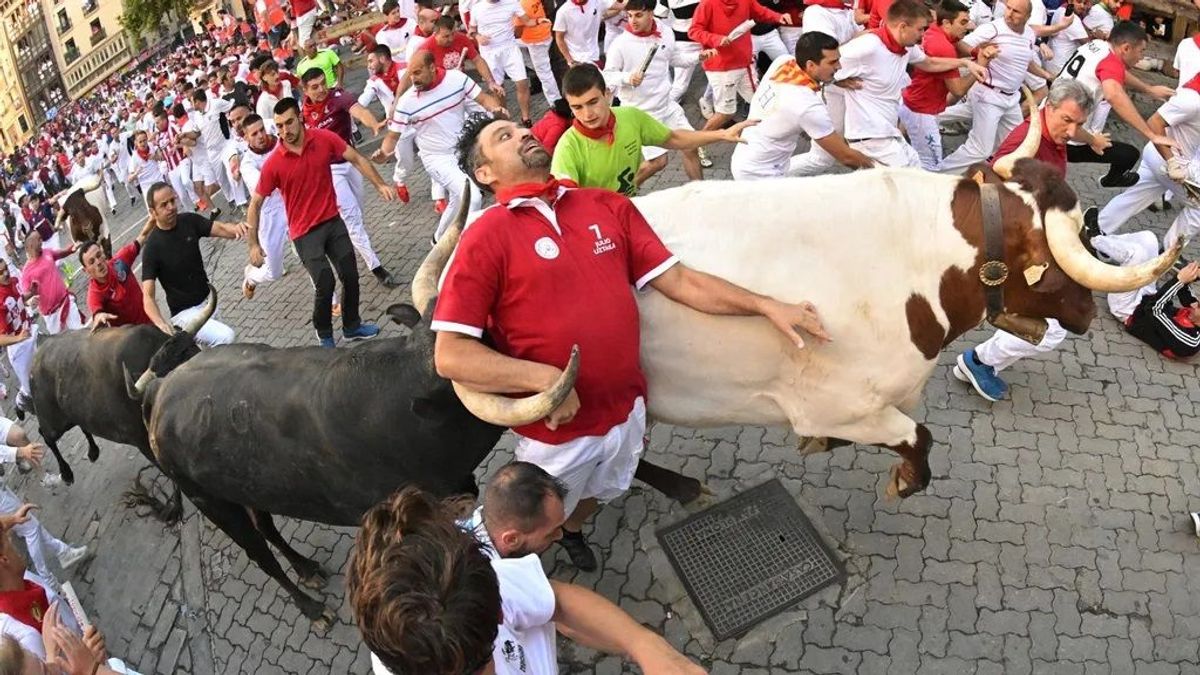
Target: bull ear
[{"x": 404, "y": 314}]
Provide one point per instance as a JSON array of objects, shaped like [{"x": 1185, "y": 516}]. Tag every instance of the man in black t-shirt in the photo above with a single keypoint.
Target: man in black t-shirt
[{"x": 171, "y": 256}]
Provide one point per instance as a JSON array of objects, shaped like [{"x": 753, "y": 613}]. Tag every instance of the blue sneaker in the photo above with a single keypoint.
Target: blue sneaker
[
  {"x": 365, "y": 331},
  {"x": 327, "y": 342},
  {"x": 983, "y": 378}
]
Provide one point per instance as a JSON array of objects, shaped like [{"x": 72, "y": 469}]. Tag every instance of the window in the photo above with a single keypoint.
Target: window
[
  {"x": 70, "y": 51},
  {"x": 24, "y": 124},
  {"x": 90, "y": 6},
  {"x": 97, "y": 29},
  {"x": 64, "y": 23}
]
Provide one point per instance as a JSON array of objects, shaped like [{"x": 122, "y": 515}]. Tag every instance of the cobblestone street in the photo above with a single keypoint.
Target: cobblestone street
[{"x": 1054, "y": 536}]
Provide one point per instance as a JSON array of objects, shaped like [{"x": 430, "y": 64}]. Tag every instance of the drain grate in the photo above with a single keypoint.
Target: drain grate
[{"x": 749, "y": 558}]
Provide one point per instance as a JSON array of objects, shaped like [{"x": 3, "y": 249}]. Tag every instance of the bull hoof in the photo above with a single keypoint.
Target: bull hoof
[
  {"x": 902, "y": 485},
  {"x": 811, "y": 445},
  {"x": 324, "y": 622},
  {"x": 315, "y": 579}
]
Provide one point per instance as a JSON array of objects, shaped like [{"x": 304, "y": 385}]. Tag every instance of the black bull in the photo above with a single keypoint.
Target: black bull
[
  {"x": 78, "y": 379},
  {"x": 248, "y": 431}
]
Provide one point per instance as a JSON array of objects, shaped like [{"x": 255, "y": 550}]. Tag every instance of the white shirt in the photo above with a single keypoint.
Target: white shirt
[
  {"x": 1187, "y": 60},
  {"x": 495, "y": 20},
  {"x": 581, "y": 27},
  {"x": 1065, "y": 42},
  {"x": 626, "y": 55},
  {"x": 980, "y": 13},
  {"x": 873, "y": 110},
  {"x": 786, "y": 111},
  {"x": 397, "y": 40},
  {"x": 209, "y": 124},
  {"x": 91, "y": 167},
  {"x": 1007, "y": 71},
  {"x": 251, "y": 169},
  {"x": 376, "y": 89},
  {"x": 1082, "y": 68},
  {"x": 147, "y": 172},
  {"x": 437, "y": 115},
  {"x": 1098, "y": 19},
  {"x": 1182, "y": 114},
  {"x": 265, "y": 107}
]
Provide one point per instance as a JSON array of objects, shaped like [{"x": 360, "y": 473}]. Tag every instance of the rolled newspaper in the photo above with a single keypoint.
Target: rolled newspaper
[
  {"x": 648, "y": 60},
  {"x": 741, "y": 29}
]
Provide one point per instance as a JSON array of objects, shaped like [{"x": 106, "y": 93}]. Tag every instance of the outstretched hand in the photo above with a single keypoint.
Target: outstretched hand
[{"x": 788, "y": 318}]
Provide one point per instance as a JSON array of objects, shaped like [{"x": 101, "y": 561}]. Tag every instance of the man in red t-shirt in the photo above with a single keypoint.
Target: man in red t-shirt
[
  {"x": 451, "y": 49},
  {"x": 537, "y": 290},
  {"x": 114, "y": 296},
  {"x": 299, "y": 168},
  {"x": 925, "y": 98}
]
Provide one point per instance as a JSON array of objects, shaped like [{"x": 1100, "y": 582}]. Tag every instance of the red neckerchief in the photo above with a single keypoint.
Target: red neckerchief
[
  {"x": 1194, "y": 83},
  {"x": 888, "y": 41},
  {"x": 420, "y": 33},
  {"x": 1196, "y": 39},
  {"x": 607, "y": 132},
  {"x": 276, "y": 90},
  {"x": 580, "y": 5},
  {"x": 1183, "y": 318},
  {"x": 548, "y": 191},
  {"x": 27, "y": 605},
  {"x": 144, "y": 154},
  {"x": 391, "y": 77},
  {"x": 403, "y": 20},
  {"x": 653, "y": 32},
  {"x": 315, "y": 112},
  {"x": 438, "y": 75}
]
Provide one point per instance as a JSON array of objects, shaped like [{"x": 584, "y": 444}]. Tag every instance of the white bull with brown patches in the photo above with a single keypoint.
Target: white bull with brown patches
[{"x": 890, "y": 257}]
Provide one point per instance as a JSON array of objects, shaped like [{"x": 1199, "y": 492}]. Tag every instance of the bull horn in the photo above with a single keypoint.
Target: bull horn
[
  {"x": 136, "y": 390},
  {"x": 1062, "y": 236},
  {"x": 425, "y": 281},
  {"x": 515, "y": 412},
  {"x": 197, "y": 323},
  {"x": 1028, "y": 147}
]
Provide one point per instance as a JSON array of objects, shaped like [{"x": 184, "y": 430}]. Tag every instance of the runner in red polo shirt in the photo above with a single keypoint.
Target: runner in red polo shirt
[
  {"x": 300, "y": 168},
  {"x": 925, "y": 98},
  {"x": 552, "y": 266},
  {"x": 114, "y": 295}
]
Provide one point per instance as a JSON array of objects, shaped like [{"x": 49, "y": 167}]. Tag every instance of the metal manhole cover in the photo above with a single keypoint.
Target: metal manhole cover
[{"x": 749, "y": 558}]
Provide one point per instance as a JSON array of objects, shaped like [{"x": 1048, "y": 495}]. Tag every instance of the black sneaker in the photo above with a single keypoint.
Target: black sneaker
[
  {"x": 578, "y": 551},
  {"x": 385, "y": 277},
  {"x": 1091, "y": 223},
  {"x": 1127, "y": 179}
]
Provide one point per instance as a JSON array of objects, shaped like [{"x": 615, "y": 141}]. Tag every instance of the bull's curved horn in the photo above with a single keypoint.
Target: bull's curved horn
[
  {"x": 202, "y": 318},
  {"x": 514, "y": 412},
  {"x": 1062, "y": 236},
  {"x": 136, "y": 390},
  {"x": 1028, "y": 147},
  {"x": 425, "y": 281}
]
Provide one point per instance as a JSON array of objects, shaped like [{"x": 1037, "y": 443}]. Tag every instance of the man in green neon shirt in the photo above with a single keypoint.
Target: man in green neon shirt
[{"x": 603, "y": 147}]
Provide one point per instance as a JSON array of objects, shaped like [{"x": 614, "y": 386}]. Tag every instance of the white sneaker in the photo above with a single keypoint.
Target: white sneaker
[
  {"x": 72, "y": 557},
  {"x": 1196, "y": 522},
  {"x": 704, "y": 159}
]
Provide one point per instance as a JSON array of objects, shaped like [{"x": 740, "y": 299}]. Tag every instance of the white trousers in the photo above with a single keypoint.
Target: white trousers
[
  {"x": 771, "y": 44},
  {"x": 273, "y": 237},
  {"x": 812, "y": 163},
  {"x": 110, "y": 177},
  {"x": 682, "y": 75},
  {"x": 235, "y": 190},
  {"x": 20, "y": 356},
  {"x": 1128, "y": 249},
  {"x": 790, "y": 36},
  {"x": 38, "y": 541},
  {"x": 107, "y": 176},
  {"x": 1152, "y": 181},
  {"x": 65, "y": 318},
  {"x": 539, "y": 56},
  {"x": 304, "y": 26},
  {"x": 924, "y": 135},
  {"x": 992, "y": 115},
  {"x": 406, "y": 158},
  {"x": 894, "y": 152},
  {"x": 1004, "y": 349},
  {"x": 182, "y": 184},
  {"x": 212, "y": 333},
  {"x": 348, "y": 184},
  {"x": 443, "y": 170}
]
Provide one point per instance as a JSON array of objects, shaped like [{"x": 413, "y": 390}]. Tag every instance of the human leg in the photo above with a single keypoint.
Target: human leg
[{"x": 344, "y": 175}]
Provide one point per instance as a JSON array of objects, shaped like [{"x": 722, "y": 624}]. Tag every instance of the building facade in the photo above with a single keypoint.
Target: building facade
[
  {"x": 16, "y": 124},
  {"x": 29, "y": 51},
  {"x": 87, "y": 40}
]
